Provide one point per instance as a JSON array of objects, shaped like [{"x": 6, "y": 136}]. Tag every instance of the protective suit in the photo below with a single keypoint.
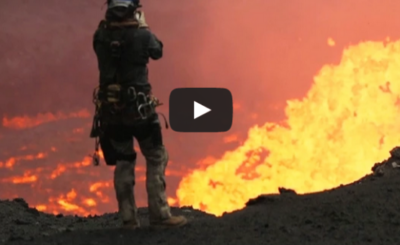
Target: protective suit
[{"x": 125, "y": 109}]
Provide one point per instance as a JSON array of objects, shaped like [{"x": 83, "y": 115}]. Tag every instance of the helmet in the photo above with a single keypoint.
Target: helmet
[{"x": 123, "y": 3}]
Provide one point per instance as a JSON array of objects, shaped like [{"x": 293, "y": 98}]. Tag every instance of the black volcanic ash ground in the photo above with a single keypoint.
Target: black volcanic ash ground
[{"x": 364, "y": 212}]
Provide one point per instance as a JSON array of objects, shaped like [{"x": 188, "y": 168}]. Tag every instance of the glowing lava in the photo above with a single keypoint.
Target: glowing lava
[
  {"x": 29, "y": 122},
  {"x": 349, "y": 119}
]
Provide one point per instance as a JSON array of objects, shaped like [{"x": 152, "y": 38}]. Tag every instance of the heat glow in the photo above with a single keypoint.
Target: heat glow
[
  {"x": 29, "y": 122},
  {"x": 348, "y": 119}
]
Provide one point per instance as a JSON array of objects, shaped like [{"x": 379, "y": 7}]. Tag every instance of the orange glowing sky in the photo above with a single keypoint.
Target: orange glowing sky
[{"x": 266, "y": 53}]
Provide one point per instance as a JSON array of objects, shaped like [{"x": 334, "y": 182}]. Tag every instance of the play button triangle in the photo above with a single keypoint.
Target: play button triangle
[{"x": 199, "y": 110}]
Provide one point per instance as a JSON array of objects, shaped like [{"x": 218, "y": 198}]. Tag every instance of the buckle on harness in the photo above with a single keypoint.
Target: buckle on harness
[{"x": 113, "y": 93}]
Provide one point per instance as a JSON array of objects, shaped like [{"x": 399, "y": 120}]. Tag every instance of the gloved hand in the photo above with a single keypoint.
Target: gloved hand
[{"x": 141, "y": 19}]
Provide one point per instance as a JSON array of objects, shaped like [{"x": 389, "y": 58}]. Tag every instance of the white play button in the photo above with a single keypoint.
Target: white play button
[{"x": 200, "y": 110}]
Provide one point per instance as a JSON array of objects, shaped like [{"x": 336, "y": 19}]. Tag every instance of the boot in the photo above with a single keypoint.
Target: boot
[
  {"x": 124, "y": 180},
  {"x": 171, "y": 222}
]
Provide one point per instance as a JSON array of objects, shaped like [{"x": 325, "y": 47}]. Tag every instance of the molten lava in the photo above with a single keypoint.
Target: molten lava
[
  {"x": 348, "y": 119},
  {"x": 28, "y": 122}
]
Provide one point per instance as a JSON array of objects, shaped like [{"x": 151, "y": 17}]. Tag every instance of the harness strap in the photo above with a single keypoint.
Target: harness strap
[
  {"x": 165, "y": 120},
  {"x": 96, "y": 127}
]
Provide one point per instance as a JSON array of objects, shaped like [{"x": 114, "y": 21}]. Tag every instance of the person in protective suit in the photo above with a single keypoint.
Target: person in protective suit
[{"x": 125, "y": 109}]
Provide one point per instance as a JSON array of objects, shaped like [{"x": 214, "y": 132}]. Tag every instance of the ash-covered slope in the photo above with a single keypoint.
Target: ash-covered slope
[{"x": 365, "y": 212}]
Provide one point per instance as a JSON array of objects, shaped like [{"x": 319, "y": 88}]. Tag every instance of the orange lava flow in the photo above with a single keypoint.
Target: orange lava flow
[
  {"x": 9, "y": 163},
  {"x": 348, "y": 119},
  {"x": 29, "y": 122}
]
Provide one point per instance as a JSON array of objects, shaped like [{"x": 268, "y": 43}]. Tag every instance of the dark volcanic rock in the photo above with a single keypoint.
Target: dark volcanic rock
[
  {"x": 263, "y": 199},
  {"x": 284, "y": 191},
  {"x": 365, "y": 212}
]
